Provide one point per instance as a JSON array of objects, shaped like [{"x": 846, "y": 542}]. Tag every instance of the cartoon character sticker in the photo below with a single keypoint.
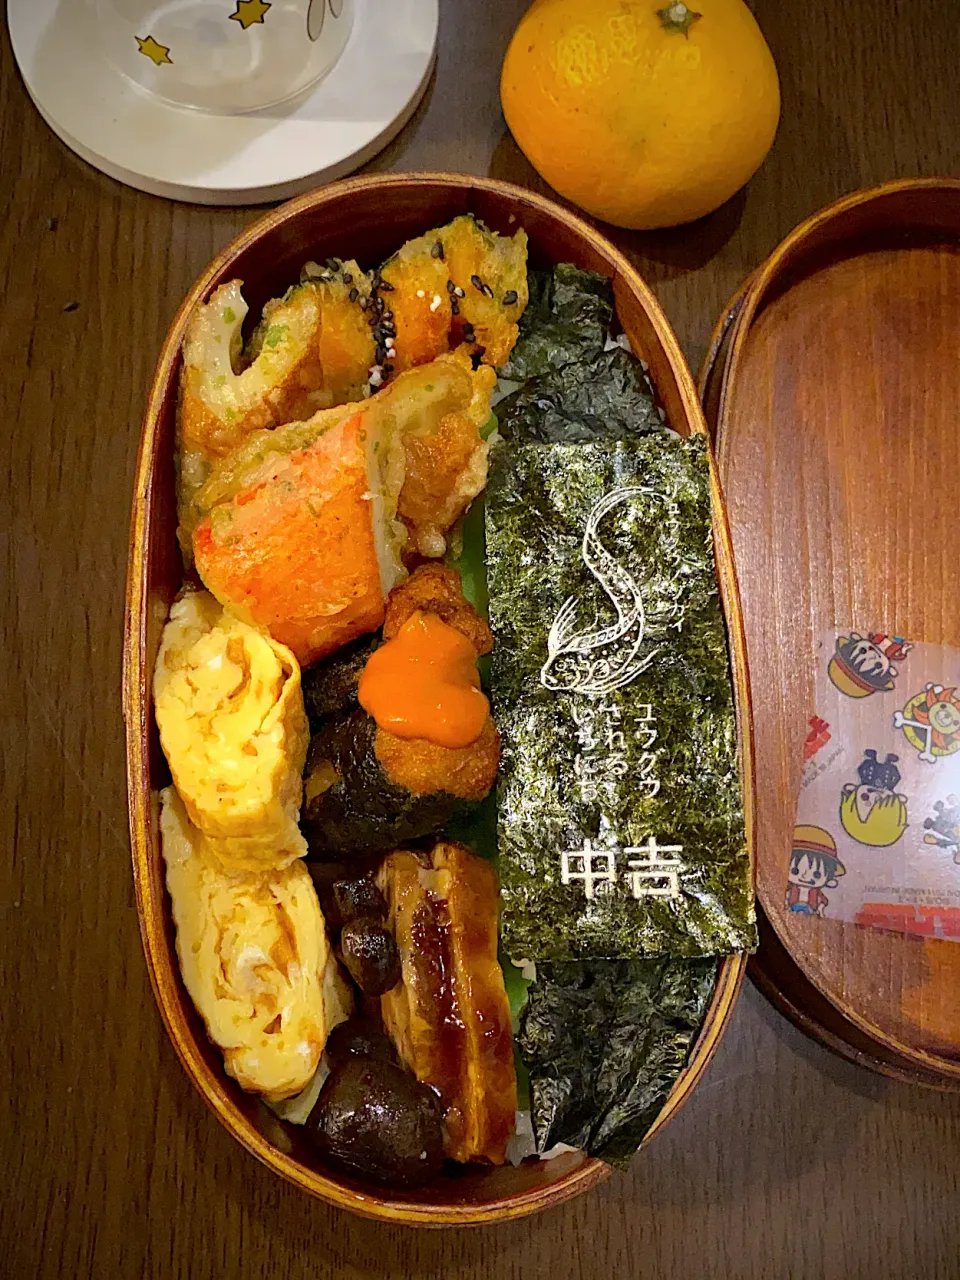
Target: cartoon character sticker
[
  {"x": 863, "y": 665},
  {"x": 871, "y": 810},
  {"x": 814, "y": 866},
  {"x": 943, "y": 829},
  {"x": 931, "y": 722}
]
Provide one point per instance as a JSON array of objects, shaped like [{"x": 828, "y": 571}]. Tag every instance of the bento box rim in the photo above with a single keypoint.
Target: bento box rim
[{"x": 136, "y": 682}]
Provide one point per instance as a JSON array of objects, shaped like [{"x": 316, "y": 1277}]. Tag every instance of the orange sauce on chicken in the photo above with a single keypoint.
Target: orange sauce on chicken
[{"x": 424, "y": 683}]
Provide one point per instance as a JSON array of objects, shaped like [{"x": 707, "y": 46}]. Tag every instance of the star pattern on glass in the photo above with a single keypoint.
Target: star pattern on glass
[
  {"x": 156, "y": 52},
  {"x": 249, "y": 11}
]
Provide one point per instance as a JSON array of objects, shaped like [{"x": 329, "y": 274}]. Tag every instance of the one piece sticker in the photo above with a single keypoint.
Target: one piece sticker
[{"x": 876, "y": 838}]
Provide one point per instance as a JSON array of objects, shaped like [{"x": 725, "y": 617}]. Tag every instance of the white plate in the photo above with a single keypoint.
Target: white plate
[{"x": 187, "y": 154}]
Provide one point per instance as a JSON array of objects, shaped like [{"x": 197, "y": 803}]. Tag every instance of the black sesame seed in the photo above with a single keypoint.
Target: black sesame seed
[
  {"x": 388, "y": 368},
  {"x": 451, "y": 287},
  {"x": 347, "y": 278},
  {"x": 388, "y": 315},
  {"x": 52, "y": 224},
  {"x": 71, "y": 306},
  {"x": 477, "y": 283},
  {"x": 381, "y": 355},
  {"x": 385, "y": 286},
  {"x": 455, "y": 307},
  {"x": 437, "y": 251},
  {"x": 510, "y": 297},
  {"x": 354, "y": 294},
  {"x": 371, "y": 321}
]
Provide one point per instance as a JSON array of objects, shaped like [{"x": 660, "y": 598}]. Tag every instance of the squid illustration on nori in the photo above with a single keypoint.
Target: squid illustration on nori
[{"x": 597, "y": 661}]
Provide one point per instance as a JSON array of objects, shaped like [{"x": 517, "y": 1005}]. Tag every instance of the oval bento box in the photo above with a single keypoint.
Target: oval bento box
[
  {"x": 832, "y": 387},
  {"x": 368, "y": 218}
]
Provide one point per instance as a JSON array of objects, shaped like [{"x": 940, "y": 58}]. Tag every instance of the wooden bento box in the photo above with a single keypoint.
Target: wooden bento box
[
  {"x": 368, "y": 218},
  {"x": 832, "y": 387}
]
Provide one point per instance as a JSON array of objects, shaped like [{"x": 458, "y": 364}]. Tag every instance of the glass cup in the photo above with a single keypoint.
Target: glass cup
[{"x": 224, "y": 56}]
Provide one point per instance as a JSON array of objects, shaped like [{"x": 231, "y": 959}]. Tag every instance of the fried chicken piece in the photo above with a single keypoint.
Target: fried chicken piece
[
  {"x": 436, "y": 588},
  {"x": 424, "y": 768}
]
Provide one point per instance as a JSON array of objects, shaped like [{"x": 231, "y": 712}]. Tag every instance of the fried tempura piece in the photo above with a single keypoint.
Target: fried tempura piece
[
  {"x": 460, "y": 283},
  {"x": 312, "y": 350},
  {"x": 303, "y": 526},
  {"x": 309, "y": 549},
  {"x": 424, "y": 768},
  {"x": 415, "y": 764},
  {"x": 446, "y": 467},
  {"x": 367, "y": 788}
]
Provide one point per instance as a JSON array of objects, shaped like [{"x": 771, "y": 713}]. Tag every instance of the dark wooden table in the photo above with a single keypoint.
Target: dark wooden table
[{"x": 787, "y": 1162}]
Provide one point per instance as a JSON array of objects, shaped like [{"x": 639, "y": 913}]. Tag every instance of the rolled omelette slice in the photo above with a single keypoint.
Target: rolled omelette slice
[
  {"x": 303, "y": 527},
  {"x": 449, "y": 1016},
  {"x": 255, "y": 960},
  {"x": 233, "y": 728}
]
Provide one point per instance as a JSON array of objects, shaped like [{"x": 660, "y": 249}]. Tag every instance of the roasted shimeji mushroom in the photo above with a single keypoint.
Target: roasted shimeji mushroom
[
  {"x": 358, "y": 1037},
  {"x": 449, "y": 1016},
  {"x": 376, "y": 1120},
  {"x": 303, "y": 527},
  {"x": 366, "y": 946},
  {"x": 425, "y": 748},
  {"x": 312, "y": 350},
  {"x": 459, "y": 283}
]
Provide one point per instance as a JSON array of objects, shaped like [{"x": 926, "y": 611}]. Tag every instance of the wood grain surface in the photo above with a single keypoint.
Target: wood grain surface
[
  {"x": 787, "y": 1162},
  {"x": 826, "y": 410}
]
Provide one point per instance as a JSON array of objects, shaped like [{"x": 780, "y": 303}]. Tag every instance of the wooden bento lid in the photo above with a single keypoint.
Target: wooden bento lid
[{"x": 833, "y": 390}]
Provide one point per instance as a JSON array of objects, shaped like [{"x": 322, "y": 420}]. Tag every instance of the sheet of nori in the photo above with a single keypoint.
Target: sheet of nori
[
  {"x": 572, "y": 386},
  {"x": 604, "y": 1042},
  {"x": 538, "y": 502}
]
